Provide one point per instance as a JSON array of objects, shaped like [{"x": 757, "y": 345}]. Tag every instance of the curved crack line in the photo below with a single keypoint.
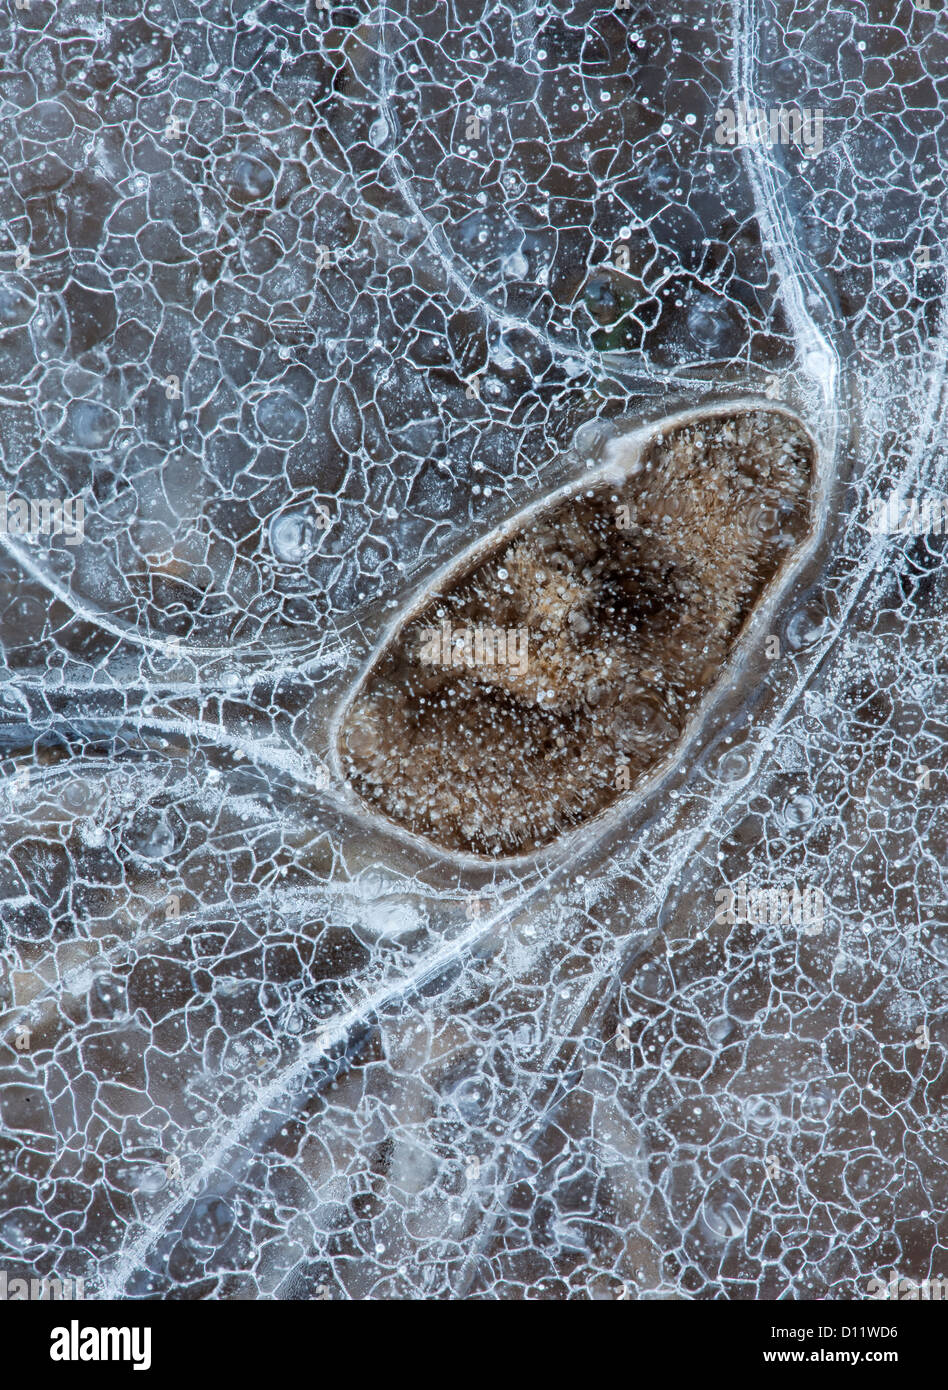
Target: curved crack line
[
  {"x": 331, "y": 1034},
  {"x": 819, "y": 357},
  {"x": 278, "y": 759},
  {"x": 160, "y": 688},
  {"x": 96, "y": 618}
]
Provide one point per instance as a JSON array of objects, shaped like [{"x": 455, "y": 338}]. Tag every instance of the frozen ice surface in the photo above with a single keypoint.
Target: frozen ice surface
[{"x": 300, "y": 300}]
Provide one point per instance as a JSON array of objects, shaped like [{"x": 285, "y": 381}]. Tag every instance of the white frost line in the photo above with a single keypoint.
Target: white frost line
[
  {"x": 162, "y": 687},
  {"x": 97, "y": 618},
  {"x": 255, "y": 750},
  {"x": 819, "y": 357},
  {"x": 370, "y": 1006}
]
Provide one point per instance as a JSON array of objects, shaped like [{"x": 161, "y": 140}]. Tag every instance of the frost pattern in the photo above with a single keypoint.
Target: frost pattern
[{"x": 301, "y": 299}]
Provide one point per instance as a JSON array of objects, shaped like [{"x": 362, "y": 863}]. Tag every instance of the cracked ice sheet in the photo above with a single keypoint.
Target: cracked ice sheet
[{"x": 301, "y": 302}]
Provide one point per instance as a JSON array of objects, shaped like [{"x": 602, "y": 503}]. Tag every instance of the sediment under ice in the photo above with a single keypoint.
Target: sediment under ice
[{"x": 554, "y": 672}]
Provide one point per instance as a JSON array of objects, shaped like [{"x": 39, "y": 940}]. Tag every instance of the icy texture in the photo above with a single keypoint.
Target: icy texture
[{"x": 301, "y": 301}]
